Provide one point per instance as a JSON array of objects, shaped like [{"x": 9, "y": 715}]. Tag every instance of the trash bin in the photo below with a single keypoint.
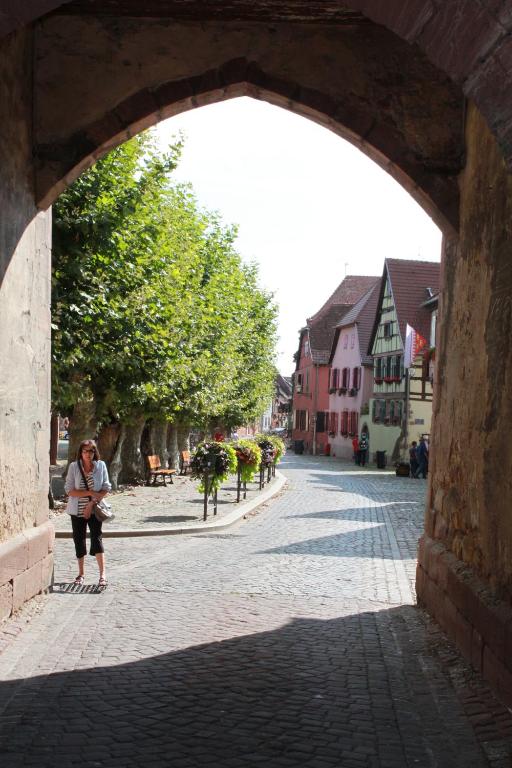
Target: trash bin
[
  {"x": 298, "y": 446},
  {"x": 327, "y": 449},
  {"x": 381, "y": 459}
]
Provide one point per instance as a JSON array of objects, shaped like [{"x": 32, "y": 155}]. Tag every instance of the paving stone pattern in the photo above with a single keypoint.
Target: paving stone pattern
[{"x": 289, "y": 640}]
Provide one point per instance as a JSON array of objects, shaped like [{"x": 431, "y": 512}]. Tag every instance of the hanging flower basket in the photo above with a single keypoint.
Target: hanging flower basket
[
  {"x": 279, "y": 448},
  {"x": 267, "y": 449},
  {"x": 212, "y": 463},
  {"x": 248, "y": 454}
]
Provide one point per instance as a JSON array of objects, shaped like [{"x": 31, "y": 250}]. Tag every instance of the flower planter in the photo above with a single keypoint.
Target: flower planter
[
  {"x": 342, "y": 391},
  {"x": 378, "y": 380}
]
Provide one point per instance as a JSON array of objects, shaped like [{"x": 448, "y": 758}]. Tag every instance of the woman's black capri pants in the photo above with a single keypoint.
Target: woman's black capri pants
[{"x": 79, "y": 530}]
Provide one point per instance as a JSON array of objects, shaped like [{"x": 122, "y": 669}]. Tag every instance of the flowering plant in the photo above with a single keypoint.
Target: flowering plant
[
  {"x": 212, "y": 463},
  {"x": 267, "y": 449},
  {"x": 249, "y": 459},
  {"x": 279, "y": 448}
]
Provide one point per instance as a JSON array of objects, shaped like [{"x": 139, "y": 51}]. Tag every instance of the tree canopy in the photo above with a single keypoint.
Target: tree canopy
[{"x": 154, "y": 311}]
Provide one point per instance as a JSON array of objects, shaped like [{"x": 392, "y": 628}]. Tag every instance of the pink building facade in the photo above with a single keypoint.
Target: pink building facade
[
  {"x": 311, "y": 415},
  {"x": 350, "y": 388},
  {"x": 351, "y": 376}
]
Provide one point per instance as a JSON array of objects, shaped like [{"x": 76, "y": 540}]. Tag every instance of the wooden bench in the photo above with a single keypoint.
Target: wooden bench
[
  {"x": 156, "y": 470},
  {"x": 184, "y": 462}
]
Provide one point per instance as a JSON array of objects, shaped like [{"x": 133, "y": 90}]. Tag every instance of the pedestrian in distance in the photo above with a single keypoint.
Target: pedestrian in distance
[
  {"x": 413, "y": 458},
  {"x": 87, "y": 482},
  {"x": 422, "y": 457},
  {"x": 363, "y": 449},
  {"x": 355, "y": 448}
]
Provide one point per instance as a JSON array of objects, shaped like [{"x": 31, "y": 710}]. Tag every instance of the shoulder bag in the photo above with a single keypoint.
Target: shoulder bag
[{"x": 102, "y": 511}]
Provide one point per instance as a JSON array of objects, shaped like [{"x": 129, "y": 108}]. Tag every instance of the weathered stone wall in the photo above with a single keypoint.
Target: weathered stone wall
[
  {"x": 472, "y": 472},
  {"x": 464, "y": 573},
  {"x": 24, "y": 341},
  {"x": 139, "y": 71}
]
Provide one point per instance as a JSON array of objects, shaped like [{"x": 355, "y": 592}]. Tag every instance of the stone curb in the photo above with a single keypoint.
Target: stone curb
[{"x": 215, "y": 525}]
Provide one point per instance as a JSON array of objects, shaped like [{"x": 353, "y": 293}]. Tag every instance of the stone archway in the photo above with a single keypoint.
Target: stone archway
[{"x": 421, "y": 87}]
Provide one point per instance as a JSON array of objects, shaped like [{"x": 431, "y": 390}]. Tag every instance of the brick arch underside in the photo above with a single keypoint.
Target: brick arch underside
[
  {"x": 365, "y": 84},
  {"x": 469, "y": 40}
]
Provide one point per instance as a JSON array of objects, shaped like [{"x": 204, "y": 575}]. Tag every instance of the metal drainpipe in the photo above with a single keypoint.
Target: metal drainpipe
[{"x": 314, "y": 409}]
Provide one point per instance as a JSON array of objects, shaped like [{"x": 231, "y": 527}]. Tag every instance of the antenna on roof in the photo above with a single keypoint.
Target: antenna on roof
[{"x": 346, "y": 268}]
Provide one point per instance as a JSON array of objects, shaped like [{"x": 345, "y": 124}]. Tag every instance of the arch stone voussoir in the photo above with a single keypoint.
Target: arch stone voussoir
[{"x": 436, "y": 193}]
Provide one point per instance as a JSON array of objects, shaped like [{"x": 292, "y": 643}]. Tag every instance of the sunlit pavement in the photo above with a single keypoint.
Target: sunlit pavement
[{"x": 289, "y": 640}]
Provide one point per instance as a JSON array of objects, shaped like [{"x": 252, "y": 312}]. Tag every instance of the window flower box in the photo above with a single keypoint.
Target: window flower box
[
  {"x": 352, "y": 392},
  {"x": 332, "y": 390},
  {"x": 342, "y": 391},
  {"x": 332, "y": 434},
  {"x": 378, "y": 379},
  {"x": 397, "y": 379},
  {"x": 389, "y": 379}
]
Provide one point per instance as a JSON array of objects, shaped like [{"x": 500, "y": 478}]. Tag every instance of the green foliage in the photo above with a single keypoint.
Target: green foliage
[
  {"x": 268, "y": 450},
  {"x": 279, "y": 448},
  {"x": 212, "y": 463},
  {"x": 249, "y": 459},
  {"x": 153, "y": 310}
]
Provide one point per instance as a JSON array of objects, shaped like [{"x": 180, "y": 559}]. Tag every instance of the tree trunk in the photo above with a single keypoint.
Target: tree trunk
[
  {"x": 158, "y": 440},
  {"x": 183, "y": 437},
  {"x": 54, "y": 439},
  {"x": 115, "y": 463},
  {"x": 108, "y": 439},
  {"x": 83, "y": 425},
  {"x": 172, "y": 447},
  {"x": 133, "y": 469}
]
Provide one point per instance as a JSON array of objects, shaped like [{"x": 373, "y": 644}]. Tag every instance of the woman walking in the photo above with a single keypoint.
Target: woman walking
[{"x": 86, "y": 483}]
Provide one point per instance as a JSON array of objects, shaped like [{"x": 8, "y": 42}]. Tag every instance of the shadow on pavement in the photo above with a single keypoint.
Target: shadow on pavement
[{"x": 355, "y": 691}]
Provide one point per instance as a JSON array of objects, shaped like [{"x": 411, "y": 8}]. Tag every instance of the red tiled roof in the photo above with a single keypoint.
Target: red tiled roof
[
  {"x": 410, "y": 281},
  {"x": 363, "y": 315},
  {"x": 322, "y": 324},
  {"x": 321, "y": 332},
  {"x": 348, "y": 292}
]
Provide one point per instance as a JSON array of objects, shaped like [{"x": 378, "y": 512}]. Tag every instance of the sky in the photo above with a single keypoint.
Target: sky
[{"x": 309, "y": 206}]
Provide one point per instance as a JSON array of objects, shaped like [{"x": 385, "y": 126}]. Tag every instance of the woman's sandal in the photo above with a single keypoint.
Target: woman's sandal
[
  {"x": 102, "y": 582},
  {"x": 79, "y": 580}
]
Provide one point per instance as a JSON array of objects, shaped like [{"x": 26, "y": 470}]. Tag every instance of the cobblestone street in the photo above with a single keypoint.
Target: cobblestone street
[{"x": 291, "y": 639}]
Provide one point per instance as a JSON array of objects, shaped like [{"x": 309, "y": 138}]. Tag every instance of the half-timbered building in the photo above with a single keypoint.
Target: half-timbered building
[{"x": 401, "y": 402}]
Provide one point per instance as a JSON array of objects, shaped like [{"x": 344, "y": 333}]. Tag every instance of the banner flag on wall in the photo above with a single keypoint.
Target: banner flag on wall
[{"x": 414, "y": 344}]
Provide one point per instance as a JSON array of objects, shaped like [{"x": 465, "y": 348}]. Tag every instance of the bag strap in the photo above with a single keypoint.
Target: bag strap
[{"x": 83, "y": 475}]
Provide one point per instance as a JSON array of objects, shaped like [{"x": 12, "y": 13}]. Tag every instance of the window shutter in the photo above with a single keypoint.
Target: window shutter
[
  {"x": 336, "y": 423},
  {"x": 383, "y": 411}
]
